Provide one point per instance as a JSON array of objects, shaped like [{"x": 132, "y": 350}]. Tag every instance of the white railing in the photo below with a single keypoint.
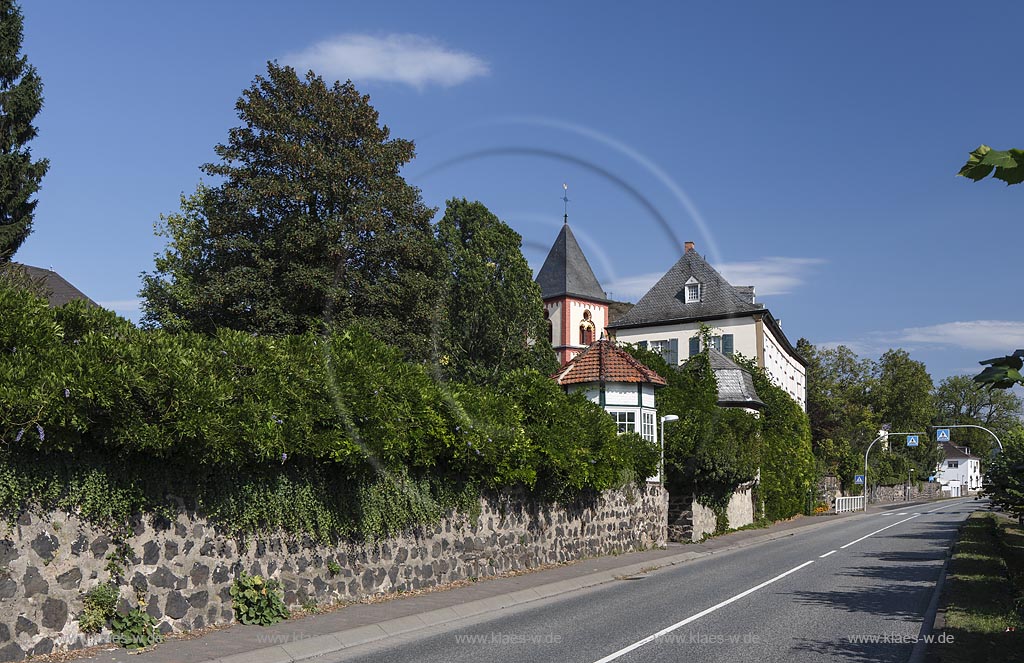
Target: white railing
[{"x": 849, "y": 504}]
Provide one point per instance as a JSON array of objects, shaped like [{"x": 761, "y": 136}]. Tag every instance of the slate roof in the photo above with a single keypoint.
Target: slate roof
[
  {"x": 666, "y": 301},
  {"x": 735, "y": 385},
  {"x": 567, "y": 272},
  {"x": 603, "y": 361},
  {"x": 954, "y": 452},
  {"x": 58, "y": 290}
]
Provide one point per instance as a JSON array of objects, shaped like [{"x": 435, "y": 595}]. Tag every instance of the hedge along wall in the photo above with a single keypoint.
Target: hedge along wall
[
  {"x": 305, "y": 433},
  {"x": 182, "y": 568},
  {"x": 324, "y": 438}
]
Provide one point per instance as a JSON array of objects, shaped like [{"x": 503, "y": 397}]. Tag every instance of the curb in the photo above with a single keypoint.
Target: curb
[{"x": 321, "y": 645}]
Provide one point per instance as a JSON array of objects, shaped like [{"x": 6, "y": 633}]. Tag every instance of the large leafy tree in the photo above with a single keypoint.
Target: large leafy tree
[
  {"x": 310, "y": 221},
  {"x": 959, "y": 400},
  {"x": 839, "y": 392},
  {"x": 21, "y": 98},
  {"x": 903, "y": 398},
  {"x": 494, "y": 312}
]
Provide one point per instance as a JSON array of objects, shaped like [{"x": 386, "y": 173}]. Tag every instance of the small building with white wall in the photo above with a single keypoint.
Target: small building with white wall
[
  {"x": 959, "y": 472},
  {"x": 692, "y": 293},
  {"x": 623, "y": 386}
]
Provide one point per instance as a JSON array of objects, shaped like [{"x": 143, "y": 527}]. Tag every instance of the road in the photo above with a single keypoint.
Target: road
[{"x": 822, "y": 594}]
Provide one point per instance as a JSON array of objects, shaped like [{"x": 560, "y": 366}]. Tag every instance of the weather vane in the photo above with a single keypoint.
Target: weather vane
[{"x": 565, "y": 198}]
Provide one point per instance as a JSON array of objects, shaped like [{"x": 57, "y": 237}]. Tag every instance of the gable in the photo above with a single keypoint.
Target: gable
[{"x": 667, "y": 300}]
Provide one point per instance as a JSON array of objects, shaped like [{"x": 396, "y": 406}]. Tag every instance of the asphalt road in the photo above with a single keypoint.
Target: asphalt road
[{"x": 817, "y": 595}]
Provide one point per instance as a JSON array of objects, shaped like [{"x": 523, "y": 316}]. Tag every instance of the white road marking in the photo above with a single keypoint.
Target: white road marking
[
  {"x": 826, "y": 554},
  {"x": 943, "y": 506},
  {"x": 903, "y": 513},
  {"x": 702, "y": 613},
  {"x": 876, "y": 532}
]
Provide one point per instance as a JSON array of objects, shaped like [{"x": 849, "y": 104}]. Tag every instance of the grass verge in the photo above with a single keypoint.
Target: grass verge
[{"x": 982, "y": 597}]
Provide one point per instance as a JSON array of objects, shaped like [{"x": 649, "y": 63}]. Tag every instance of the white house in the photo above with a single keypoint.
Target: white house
[
  {"x": 623, "y": 386},
  {"x": 959, "y": 472},
  {"x": 692, "y": 293}
]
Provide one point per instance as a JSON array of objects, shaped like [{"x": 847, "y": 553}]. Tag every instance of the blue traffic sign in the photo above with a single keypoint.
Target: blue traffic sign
[
  {"x": 911, "y": 440},
  {"x": 858, "y": 479},
  {"x": 942, "y": 435}
]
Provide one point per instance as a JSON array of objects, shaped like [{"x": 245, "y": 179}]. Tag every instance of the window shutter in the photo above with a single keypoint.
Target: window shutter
[
  {"x": 643, "y": 344},
  {"x": 727, "y": 344},
  {"x": 694, "y": 345},
  {"x": 673, "y": 352}
]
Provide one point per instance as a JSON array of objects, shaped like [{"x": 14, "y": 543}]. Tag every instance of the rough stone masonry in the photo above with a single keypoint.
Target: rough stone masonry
[{"x": 184, "y": 569}]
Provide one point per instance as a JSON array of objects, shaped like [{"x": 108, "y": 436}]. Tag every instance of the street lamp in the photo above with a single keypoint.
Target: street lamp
[{"x": 661, "y": 468}]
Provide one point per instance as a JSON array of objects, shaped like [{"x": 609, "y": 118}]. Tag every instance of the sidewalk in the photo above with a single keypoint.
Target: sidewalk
[{"x": 360, "y": 623}]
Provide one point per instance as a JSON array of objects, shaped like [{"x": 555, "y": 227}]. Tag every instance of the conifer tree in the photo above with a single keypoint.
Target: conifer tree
[
  {"x": 311, "y": 221},
  {"x": 21, "y": 98}
]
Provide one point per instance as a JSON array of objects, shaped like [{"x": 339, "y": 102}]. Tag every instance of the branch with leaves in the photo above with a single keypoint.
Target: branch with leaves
[
  {"x": 1008, "y": 165},
  {"x": 1002, "y": 372}
]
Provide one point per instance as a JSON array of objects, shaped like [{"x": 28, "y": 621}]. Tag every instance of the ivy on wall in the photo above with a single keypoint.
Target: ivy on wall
[{"x": 329, "y": 435}]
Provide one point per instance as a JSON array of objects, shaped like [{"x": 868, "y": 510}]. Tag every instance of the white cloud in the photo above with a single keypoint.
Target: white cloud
[
  {"x": 1003, "y": 336},
  {"x": 397, "y": 58},
  {"x": 769, "y": 276}
]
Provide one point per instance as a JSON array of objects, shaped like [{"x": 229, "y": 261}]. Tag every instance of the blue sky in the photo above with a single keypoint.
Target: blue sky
[{"x": 808, "y": 148}]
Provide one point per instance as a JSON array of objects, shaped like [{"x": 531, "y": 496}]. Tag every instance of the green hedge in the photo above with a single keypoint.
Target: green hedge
[{"x": 328, "y": 435}]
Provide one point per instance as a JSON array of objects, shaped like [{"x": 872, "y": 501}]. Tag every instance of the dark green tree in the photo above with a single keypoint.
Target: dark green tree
[
  {"x": 839, "y": 389},
  {"x": 903, "y": 398},
  {"x": 311, "y": 221},
  {"x": 21, "y": 98},
  {"x": 959, "y": 400},
  {"x": 494, "y": 320},
  {"x": 1004, "y": 481}
]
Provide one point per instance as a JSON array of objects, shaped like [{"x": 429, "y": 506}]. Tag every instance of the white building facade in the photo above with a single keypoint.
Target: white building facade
[
  {"x": 959, "y": 472},
  {"x": 693, "y": 294}
]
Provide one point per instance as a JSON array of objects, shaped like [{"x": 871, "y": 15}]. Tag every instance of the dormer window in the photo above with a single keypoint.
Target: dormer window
[{"x": 692, "y": 291}]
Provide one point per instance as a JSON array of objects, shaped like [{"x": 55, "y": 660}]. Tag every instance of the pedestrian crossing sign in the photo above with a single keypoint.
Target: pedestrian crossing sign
[
  {"x": 911, "y": 440},
  {"x": 942, "y": 435}
]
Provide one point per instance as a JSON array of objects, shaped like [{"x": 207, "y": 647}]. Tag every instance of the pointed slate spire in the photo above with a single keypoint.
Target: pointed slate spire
[{"x": 567, "y": 272}]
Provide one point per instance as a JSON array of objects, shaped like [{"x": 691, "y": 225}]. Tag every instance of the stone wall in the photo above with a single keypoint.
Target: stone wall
[
  {"x": 925, "y": 490},
  {"x": 184, "y": 569},
  {"x": 689, "y": 520}
]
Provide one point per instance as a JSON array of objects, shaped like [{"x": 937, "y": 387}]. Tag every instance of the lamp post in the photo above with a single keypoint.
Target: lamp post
[
  {"x": 885, "y": 435},
  {"x": 661, "y": 468},
  {"x": 996, "y": 437}
]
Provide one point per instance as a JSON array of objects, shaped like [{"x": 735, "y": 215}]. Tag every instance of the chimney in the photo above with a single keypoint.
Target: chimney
[{"x": 689, "y": 246}]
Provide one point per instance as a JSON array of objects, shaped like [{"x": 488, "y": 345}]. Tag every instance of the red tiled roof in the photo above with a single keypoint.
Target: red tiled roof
[{"x": 603, "y": 361}]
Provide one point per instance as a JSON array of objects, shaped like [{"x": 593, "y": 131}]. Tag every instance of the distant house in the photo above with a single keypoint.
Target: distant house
[
  {"x": 56, "y": 288},
  {"x": 959, "y": 472},
  {"x": 692, "y": 293},
  {"x": 575, "y": 306}
]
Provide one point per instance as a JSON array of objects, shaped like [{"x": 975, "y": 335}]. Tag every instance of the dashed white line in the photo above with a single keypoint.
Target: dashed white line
[
  {"x": 702, "y": 613},
  {"x": 876, "y": 532},
  {"x": 826, "y": 554}
]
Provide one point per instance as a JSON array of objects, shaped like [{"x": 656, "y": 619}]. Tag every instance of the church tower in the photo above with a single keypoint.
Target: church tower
[{"x": 575, "y": 306}]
